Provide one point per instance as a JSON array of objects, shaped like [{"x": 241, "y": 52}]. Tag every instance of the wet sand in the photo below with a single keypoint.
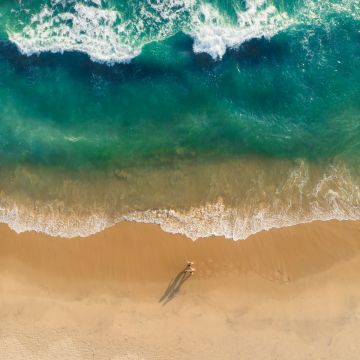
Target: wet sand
[{"x": 291, "y": 293}]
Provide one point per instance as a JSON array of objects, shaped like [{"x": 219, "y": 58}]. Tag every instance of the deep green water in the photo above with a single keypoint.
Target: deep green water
[{"x": 92, "y": 90}]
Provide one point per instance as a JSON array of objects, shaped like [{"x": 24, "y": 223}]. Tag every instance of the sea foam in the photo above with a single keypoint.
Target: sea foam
[
  {"x": 106, "y": 35},
  {"x": 335, "y": 196},
  {"x": 88, "y": 29},
  {"x": 213, "y": 33},
  {"x": 103, "y": 33}
]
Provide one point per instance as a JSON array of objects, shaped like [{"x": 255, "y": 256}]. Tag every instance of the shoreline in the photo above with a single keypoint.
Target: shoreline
[
  {"x": 290, "y": 293},
  {"x": 211, "y": 199},
  {"x": 133, "y": 239}
]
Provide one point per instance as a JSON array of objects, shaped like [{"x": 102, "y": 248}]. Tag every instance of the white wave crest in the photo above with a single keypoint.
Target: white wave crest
[
  {"x": 107, "y": 36},
  {"x": 298, "y": 199},
  {"x": 213, "y": 33},
  {"x": 52, "y": 220},
  {"x": 219, "y": 220},
  {"x": 334, "y": 197},
  {"x": 88, "y": 29}
]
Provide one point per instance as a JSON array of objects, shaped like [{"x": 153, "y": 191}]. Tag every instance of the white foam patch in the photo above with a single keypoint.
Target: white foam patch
[
  {"x": 218, "y": 220},
  {"x": 213, "y": 33},
  {"x": 335, "y": 196},
  {"x": 106, "y": 36},
  {"x": 317, "y": 12},
  {"x": 103, "y": 33},
  {"x": 88, "y": 28},
  {"x": 53, "y": 220}
]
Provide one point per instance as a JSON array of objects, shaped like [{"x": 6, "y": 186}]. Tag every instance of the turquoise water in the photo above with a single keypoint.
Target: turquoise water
[{"x": 236, "y": 98}]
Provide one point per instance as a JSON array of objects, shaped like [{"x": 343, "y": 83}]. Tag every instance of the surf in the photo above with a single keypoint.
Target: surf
[
  {"x": 248, "y": 199},
  {"x": 225, "y": 120},
  {"x": 109, "y": 36}
]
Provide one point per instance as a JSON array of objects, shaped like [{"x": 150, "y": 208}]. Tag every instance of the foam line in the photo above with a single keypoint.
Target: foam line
[
  {"x": 107, "y": 36},
  {"x": 213, "y": 33},
  {"x": 336, "y": 196}
]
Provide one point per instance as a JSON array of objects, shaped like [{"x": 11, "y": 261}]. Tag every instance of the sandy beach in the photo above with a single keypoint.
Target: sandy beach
[
  {"x": 290, "y": 293},
  {"x": 139, "y": 136}
]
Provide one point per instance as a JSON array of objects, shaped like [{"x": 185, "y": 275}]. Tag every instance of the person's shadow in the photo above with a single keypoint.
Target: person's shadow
[{"x": 174, "y": 287}]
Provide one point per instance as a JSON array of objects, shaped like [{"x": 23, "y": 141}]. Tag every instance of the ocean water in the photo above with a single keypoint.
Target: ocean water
[{"x": 222, "y": 117}]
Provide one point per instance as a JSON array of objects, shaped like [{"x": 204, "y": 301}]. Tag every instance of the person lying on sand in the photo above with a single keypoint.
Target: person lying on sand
[{"x": 189, "y": 268}]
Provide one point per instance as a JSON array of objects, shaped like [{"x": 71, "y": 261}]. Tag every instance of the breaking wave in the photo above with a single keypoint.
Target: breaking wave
[
  {"x": 108, "y": 35},
  {"x": 88, "y": 29},
  {"x": 335, "y": 196},
  {"x": 213, "y": 33}
]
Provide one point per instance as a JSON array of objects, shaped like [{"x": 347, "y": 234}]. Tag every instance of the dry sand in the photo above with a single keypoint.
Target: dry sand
[{"x": 291, "y": 293}]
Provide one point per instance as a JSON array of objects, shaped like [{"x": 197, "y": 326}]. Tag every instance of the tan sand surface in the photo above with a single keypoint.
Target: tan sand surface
[{"x": 291, "y": 293}]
